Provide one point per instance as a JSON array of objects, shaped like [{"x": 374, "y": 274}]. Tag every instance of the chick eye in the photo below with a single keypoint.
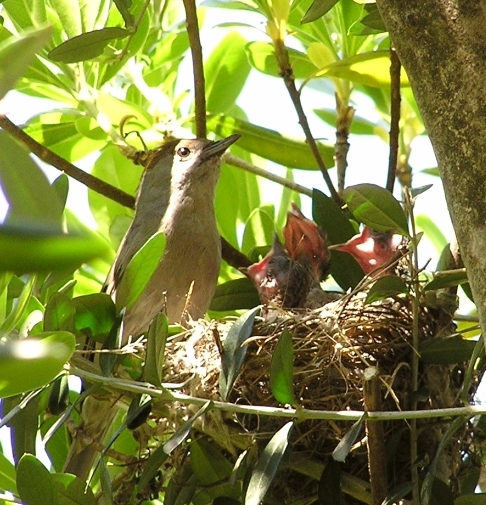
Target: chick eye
[{"x": 183, "y": 152}]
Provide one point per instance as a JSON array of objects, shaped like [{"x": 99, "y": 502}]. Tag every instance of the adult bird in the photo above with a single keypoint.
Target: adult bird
[{"x": 175, "y": 196}]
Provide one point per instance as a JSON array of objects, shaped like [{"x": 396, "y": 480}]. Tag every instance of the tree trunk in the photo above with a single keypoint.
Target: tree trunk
[{"x": 442, "y": 45}]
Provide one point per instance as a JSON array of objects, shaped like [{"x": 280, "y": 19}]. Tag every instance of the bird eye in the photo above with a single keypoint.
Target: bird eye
[{"x": 183, "y": 152}]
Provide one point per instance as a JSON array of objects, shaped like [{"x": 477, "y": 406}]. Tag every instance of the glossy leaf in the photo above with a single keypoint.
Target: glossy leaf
[
  {"x": 370, "y": 69},
  {"x": 183, "y": 432},
  {"x": 139, "y": 271},
  {"x": 86, "y": 46},
  {"x": 235, "y": 294},
  {"x": 267, "y": 465},
  {"x": 34, "y": 482},
  {"x": 234, "y": 352},
  {"x": 17, "y": 54},
  {"x": 259, "y": 228},
  {"x": 344, "y": 446},
  {"x": 376, "y": 207},
  {"x": 262, "y": 57},
  {"x": 26, "y": 250},
  {"x": 72, "y": 490},
  {"x": 152, "y": 466},
  {"x": 154, "y": 360},
  {"x": 138, "y": 411},
  {"x": 226, "y": 72},
  {"x": 58, "y": 400},
  {"x": 317, "y": 9},
  {"x": 282, "y": 370},
  {"x": 32, "y": 200},
  {"x": 447, "y": 279},
  {"x": 327, "y": 214},
  {"x": 7, "y": 474},
  {"x": 270, "y": 144},
  {"x": 329, "y": 490},
  {"x": 59, "y": 314},
  {"x": 446, "y": 351},
  {"x": 385, "y": 287},
  {"x": 32, "y": 362},
  {"x": 95, "y": 315}
]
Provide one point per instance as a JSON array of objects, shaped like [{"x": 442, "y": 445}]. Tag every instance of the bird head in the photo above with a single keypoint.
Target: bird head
[{"x": 303, "y": 238}]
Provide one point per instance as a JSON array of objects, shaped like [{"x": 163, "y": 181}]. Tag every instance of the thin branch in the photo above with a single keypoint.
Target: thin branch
[
  {"x": 48, "y": 156},
  {"x": 345, "y": 115},
  {"x": 233, "y": 160},
  {"x": 133, "y": 29},
  {"x": 299, "y": 414},
  {"x": 395, "y": 67},
  {"x": 287, "y": 74},
  {"x": 198, "y": 68}
]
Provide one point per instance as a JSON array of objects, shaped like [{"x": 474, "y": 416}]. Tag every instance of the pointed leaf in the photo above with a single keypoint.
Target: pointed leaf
[
  {"x": 327, "y": 214},
  {"x": 317, "y": 9},
  {"x": 376, "y": 207},
  {"x": 152, "y": 466},
  {"x": 446, "y": 351},
  {"x": 35, "y": 483},
  {"x": 234, "y": 352},
  {"x": 86, "y": 46},
  {"x": 270, "y": 144},
  {"x": 385, "y": 287},
  {"x": 139, "y": 271},
  {"x": 329, "y": 490},
  {"x": 345, "y": 444},
  {"x": 235, "y": 294},
  {"x": 95, "y": 315},
  {"x": 72, "y": 490},
  {"x": 17, "y": 54},
  {"x": 267, "y": 465},
  {"x": 447, "y": 279},
  {"x": 32, "y": 362},
  {"x": 183, "y": 432},
  {"x": 138, "y": 411},
  {"x": 155, "y": 355},
  {"x": 282, "y": 370},
  {"x": 59, "y": 314}
]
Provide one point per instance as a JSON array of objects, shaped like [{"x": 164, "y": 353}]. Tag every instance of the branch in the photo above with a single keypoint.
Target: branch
[
  {"x": 48, "y": 156},
  {"x": 198, "y": 68},
  {"x": 233, "y": 160},
  {"x": 395, "y": 67},
  {"x": 287, "y": 74},
  {"x": 345, "y": 115}
]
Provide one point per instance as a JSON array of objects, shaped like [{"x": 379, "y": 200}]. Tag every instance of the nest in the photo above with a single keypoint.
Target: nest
[{"x": 336, "y": 350}]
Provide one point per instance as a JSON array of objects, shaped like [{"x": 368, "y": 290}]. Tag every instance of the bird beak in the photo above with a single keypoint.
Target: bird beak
[{"x": 219, "y": 147}]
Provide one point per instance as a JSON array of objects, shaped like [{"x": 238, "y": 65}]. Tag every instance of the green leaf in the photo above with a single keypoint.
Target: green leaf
[
  {"x": 329, "y": 490},
  {"x": 234, "y": 352},
  {"x": 327, "y": 214},
  {"x": 471, "y": 499},
  {"x": 226, "y": 72},
  {"x": 446, "y": 351},
  {"x": 376, "y": 207},
  {"x": 317, "y": 9},
  {"x": 259, "y": 228},
  {"x": 123, "y": 7},
  {"x": 282, "y": 370},
  {"x": 447, "y": 279},
  {"x": 32, "y": 200},
  {"x": 183, "y": 432},
  {"x": 261, "y": 56},
  {"x": 370, "y": 69},
  {"x": 235, "y": 294},
  {"x": 86, "y": 46},
  {"x": 7, "y": 474},
  {"x": 270, "y": 144},
  {"x": 152, "y": 466},
  {"x": 58, "y": 400},
  {"x": 139, "y": 271},
  {"x": 359, "y": 126},
  {"x": 32, "y": 362},
  {"x": 385, "y": 287},
  {"x": 209, "y": 464},
  {"x": 26, "y": 250},
  {"x": 155, "y": 355},
  {"x": 344, "y": 446},
  {"x": 138, "y": 411},
  {"x": 35, "y": 483},
  {"x": 267, "y": 465},
  {"x": 432, "y": 231},
  {"x": 59, "y": 314},
  {"x": 95, "y": 315},
  {"x": 72, "y": 490},
  {"x": 17, "y": 54}
]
